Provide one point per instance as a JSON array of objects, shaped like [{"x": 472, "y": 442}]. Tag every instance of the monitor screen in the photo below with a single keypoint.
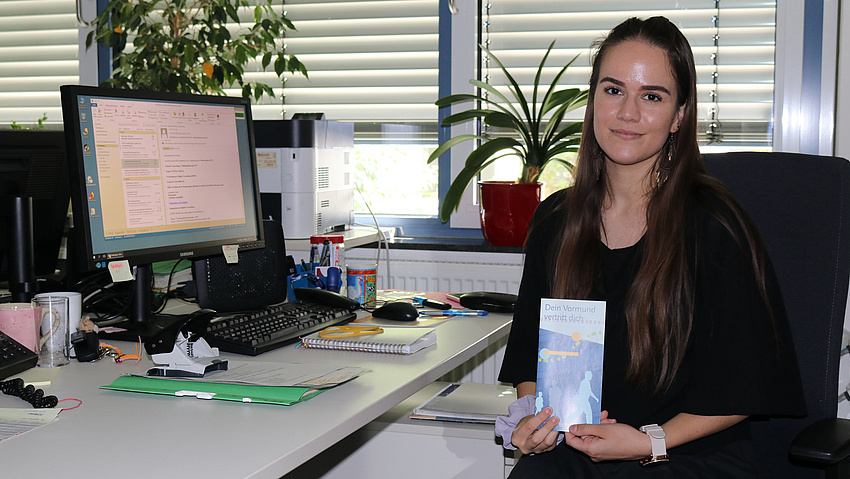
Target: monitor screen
[{"x": 159, "y": 176}]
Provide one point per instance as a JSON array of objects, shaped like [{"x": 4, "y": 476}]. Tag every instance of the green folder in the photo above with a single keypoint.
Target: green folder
[{"x": 282, "y": 395}]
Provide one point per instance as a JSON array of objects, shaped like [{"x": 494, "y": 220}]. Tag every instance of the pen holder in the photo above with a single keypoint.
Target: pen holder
[
  {"x": 323, "y": 278},
  {"x": 298, "y": 280}
]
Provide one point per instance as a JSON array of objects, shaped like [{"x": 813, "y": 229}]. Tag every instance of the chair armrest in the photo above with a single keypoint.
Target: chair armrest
[{"x": 824, "y": 442}]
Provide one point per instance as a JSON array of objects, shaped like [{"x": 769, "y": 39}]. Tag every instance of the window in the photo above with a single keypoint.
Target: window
[
  {"x": 38, "y": 53},
  {"x": 381, "y": 64},
  {"x": 732, "y": 41},
  {"x": 373, "y": 63}
]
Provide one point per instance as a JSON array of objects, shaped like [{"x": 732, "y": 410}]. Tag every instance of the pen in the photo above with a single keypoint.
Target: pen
[
  {"x": 325, "y": 259},
  {"x": 455, "y": 312}
]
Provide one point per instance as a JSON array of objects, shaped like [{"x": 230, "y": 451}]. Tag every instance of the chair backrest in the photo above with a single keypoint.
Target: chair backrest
[{"x": 801, "y": 206}]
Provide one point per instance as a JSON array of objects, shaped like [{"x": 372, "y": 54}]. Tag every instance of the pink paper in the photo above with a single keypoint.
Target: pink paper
[{"x": 21, "y": 322}]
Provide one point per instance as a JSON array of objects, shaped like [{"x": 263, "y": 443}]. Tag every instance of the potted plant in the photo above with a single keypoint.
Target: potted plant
[
  {"x": 186, "y": 45},
  {"x": 537, "y": 134}
]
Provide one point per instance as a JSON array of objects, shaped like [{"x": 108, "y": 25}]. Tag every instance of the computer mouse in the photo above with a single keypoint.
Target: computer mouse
[{"x": 397, "y": 311}]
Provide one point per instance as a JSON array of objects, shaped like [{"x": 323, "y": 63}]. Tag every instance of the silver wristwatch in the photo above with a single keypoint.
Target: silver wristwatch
[{"x": 659, "y": 445}]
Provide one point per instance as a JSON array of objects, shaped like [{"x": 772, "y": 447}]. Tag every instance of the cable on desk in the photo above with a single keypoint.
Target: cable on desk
[
  {"x": 36, "y": 397},
  {"x": 119, "y": 356},
  {"x": 79, "y": 403},
  {"x": 382, "y": 238}
]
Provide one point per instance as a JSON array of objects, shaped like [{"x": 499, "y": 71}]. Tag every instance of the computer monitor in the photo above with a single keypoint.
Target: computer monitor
[
  {"x": 33, "y": 164},
  {"x": 155, "y": 177}
]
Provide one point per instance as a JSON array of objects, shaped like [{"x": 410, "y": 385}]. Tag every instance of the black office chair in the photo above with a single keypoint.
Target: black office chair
[{"x": 801, "y": 205}]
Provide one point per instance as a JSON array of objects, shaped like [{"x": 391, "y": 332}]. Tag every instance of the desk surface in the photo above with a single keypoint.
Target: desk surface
[{"x": 159, "y": 436}]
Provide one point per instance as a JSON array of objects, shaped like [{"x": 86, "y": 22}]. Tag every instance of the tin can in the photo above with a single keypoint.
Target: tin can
[{"x": 362, "y": 284}]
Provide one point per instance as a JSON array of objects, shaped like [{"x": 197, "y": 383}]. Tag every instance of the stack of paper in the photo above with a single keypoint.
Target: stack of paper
[{"x": 467, "y": 402}]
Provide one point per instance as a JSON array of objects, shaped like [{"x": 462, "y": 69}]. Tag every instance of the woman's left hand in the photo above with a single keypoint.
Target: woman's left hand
[{"x": 608, "y": 441}]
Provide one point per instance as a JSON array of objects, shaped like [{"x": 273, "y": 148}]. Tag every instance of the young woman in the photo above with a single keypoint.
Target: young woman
[{"x": 696, "y": 338}]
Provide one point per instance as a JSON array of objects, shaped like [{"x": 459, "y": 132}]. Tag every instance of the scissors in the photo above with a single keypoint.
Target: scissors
[{"x": 349, "y": 331}]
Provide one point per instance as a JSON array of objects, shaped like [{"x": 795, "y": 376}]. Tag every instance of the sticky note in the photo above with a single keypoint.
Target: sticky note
[
  {"x": 231, "y": 253},
  {"x": 120, "y": 271}
]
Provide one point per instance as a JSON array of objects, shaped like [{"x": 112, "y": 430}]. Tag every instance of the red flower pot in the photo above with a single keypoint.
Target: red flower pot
[{"x": 506, "y": 209}]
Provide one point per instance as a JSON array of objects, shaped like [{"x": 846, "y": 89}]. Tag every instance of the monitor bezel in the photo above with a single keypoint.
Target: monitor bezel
[{"x": 79, "y": 203}]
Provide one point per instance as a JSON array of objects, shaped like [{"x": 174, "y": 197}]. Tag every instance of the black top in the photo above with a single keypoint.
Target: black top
[{"x": 736, "y": 361}]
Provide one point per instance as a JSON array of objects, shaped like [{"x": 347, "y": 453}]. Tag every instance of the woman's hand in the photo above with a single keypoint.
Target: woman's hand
[
  {"x": 604, "y": 419},
  {"x": 608, "y": 441},
  {"x": 532, "y": 438}
]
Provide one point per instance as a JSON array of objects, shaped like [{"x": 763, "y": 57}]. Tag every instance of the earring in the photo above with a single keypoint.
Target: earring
[{"x": 665, "y": 164}]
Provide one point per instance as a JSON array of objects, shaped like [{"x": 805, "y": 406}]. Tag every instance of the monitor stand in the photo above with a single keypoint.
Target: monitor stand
[{"x": 142, "y": 322}]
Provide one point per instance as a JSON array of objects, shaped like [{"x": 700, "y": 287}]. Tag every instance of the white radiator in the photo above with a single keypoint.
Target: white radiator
[{"x": 450, "y": 271}]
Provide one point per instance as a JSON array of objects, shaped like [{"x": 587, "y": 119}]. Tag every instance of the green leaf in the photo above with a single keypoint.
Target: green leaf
[
  {"x": 480, "y": 155},
  {"x": 450, "y": 143},
  {"x": 232, "y": 12},
  {"x": 514, "y": 86},
  {"x": 503, "y": 120},
  {"x": 280, "y": 65},
  {"x": 506, "y": 105},
  {"x": 457, "y": 98},
  {"x": 560, "y": 97},
  {"x": 451, "y": 201},
  {"x": 464, "y": 116}
]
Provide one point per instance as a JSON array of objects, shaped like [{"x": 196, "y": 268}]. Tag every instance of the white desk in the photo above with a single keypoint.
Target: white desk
[
  {"x": 393, "y": 445},
  {"x": 145, "y": 435}
]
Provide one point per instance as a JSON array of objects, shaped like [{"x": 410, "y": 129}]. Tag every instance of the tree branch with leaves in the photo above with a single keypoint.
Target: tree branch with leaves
[{"x": 193, "y": 46}]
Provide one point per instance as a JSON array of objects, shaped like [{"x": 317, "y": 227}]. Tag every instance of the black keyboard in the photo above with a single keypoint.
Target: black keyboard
[
  {"x": 257, "y": 332},
  {"x": 14, "y": 357}
]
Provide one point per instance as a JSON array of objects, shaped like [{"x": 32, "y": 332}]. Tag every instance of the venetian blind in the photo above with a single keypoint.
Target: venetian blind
[
  {"x": 733, "y": 43},
  {"x": 38, "y": 53},
  {"x": 371, "y": 62}
]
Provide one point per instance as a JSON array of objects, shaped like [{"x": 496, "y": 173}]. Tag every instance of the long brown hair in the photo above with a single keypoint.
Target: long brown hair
[{"x": 659, "y": 304}]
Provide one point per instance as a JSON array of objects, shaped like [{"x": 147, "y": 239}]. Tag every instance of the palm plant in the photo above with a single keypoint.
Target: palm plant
[{"x": 536, "y": 139}]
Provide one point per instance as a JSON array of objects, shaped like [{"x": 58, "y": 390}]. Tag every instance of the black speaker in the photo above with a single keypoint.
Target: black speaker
[
  {"x": 19, "y": 244},
  {"x": 257, "y": 280}
]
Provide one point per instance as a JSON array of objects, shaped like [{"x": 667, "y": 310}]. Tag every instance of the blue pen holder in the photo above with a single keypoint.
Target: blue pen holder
[
  {"x": 302, "y": 279},
  {"x": 298, "y": 280}
]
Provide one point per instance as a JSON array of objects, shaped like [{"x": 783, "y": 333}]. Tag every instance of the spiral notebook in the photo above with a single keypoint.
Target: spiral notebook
[{"x": 391, "y": 340}]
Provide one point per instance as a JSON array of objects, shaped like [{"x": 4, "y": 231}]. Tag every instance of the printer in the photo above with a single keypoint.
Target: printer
[{"x": 305, "y": 174}]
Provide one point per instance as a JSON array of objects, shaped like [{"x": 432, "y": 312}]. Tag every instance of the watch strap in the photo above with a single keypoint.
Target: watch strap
[{"x": 659, "y": 444}]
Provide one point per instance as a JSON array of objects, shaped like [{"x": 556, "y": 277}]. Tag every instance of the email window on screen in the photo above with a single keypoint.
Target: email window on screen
[{"x": 172, "y": 165}]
